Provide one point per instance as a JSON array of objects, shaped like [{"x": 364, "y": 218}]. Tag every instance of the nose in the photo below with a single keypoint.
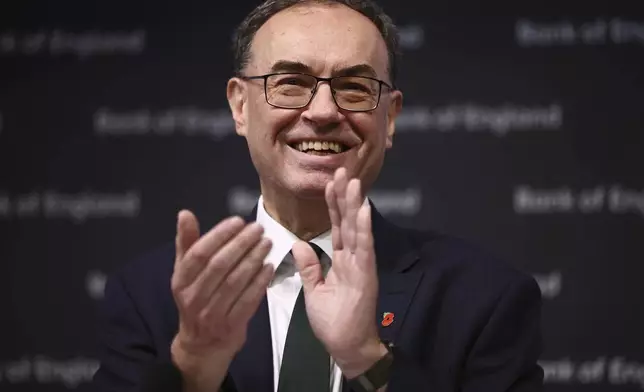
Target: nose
[{"x": 322, "y": 109}]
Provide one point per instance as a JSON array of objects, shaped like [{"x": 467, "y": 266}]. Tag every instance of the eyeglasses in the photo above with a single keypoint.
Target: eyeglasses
[{"x": 296, "y": 90}]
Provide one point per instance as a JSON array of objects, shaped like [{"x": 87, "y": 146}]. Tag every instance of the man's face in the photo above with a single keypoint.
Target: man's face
[{"x": 322, "y": 41}]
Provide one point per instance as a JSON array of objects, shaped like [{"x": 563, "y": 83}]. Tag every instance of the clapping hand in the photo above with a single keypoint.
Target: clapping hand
[
  {"x": 218, "y": 283},
  {"x": 342, "y": 306}
]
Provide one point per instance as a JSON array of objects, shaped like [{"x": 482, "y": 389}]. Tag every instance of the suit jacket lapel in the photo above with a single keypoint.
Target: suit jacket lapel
[
  {"x": 395, "y": 255},
  {"x": 252, "y": 368}
]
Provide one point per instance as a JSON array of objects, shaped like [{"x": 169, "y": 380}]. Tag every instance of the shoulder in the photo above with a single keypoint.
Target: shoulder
[
  {"x": 463, "y": 264},
  {"x": 144, "y": 279},
  {"x": 153, "y": 264}
]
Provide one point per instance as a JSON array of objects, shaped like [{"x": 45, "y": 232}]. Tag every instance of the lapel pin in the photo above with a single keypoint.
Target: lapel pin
[{"x": 387, "y": 319}]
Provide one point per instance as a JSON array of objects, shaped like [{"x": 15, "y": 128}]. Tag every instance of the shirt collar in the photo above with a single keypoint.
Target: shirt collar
[
  {"x": 283, "y": 240},
  {"x": 281, "y": 237}
]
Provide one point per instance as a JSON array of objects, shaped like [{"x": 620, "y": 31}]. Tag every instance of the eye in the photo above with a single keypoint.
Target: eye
[
  {"x": 293, "y": 80},
  {"x": 355, "y": 84}
]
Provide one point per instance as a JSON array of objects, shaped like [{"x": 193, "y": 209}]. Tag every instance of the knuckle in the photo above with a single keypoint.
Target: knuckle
[
  {"x": 251, "y": 234},
  {"x": 254, "y": 258},
  {"x": 175, "y": 285},
  {"x": 212, "y": 312},
  {"x": 203, "y": 317},
  {"x": 240, "y": 275},
  {"x": 257, "y": 251},
  {"x": 254, "y": 267},
  {"x": 227, "y": 284},
  {"x": 217, "y": 265},
  {"x": 244, "y": 301},
  {"x": 199, "y": 255},
  {"x": 210, "y": 318},
  {"x": 191, "y": 303}
]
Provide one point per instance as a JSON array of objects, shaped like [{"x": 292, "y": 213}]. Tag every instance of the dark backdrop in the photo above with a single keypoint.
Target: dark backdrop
[{"x": 523, "y": 133}]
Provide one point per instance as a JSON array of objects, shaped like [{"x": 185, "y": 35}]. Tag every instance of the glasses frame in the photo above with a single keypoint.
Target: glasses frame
[{"x": 315, "y": 89}]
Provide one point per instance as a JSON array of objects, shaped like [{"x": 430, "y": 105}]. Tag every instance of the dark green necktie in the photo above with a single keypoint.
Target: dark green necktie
[{"x": 306, "y": 366}]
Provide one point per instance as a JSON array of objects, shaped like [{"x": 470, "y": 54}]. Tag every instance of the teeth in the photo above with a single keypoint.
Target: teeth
[{"x": 318, "y": 146}]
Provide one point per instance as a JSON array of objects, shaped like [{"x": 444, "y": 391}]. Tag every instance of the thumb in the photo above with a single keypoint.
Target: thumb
[
  {"x": 187, "y": 232},
  {"x": 308, "y": 265}
]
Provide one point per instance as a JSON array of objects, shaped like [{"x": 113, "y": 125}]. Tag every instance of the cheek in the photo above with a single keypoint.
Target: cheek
[
  {"x": 372, "y": 129},
  {"x": 266, "y": 123}
]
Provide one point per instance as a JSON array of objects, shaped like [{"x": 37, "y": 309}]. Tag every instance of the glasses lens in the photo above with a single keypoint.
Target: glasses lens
[
  {"x": 356, "y": 93},
  {"x": 295, "y": 90},
  {"x": 289, "y": 90}
]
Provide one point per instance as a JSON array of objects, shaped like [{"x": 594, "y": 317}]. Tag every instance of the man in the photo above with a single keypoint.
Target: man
[{"x": 315, "y": 291}]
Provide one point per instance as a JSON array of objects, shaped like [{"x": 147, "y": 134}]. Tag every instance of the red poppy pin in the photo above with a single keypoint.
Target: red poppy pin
[{"x": 387, "y": 319}]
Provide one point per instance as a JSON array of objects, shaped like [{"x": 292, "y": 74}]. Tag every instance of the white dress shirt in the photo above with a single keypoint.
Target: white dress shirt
[{"x": 285, "y": 287}]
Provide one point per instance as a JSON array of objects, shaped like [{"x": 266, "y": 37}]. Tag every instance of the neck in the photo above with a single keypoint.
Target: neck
[{"x": 306, "y": 217}]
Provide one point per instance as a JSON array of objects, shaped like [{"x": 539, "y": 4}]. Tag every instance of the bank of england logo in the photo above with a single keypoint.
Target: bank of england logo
[{"x": 600, "y": 31}]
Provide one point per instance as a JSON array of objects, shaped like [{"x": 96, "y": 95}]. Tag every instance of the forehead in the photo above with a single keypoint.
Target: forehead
[{"x": 324, "y": 38}]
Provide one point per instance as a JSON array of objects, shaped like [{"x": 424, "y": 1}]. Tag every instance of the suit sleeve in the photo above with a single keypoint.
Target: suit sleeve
[
  {"x": 504, "y": 355},
  {"x": 126, "y": 348},
  {"x": 129, "y": 361}
]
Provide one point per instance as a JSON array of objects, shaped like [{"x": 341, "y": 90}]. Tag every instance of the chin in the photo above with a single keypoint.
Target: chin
[{"x": 308, "y": 186}]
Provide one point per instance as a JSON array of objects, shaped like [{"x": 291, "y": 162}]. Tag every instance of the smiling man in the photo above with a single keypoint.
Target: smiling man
[{"x": 316, "y": 291}]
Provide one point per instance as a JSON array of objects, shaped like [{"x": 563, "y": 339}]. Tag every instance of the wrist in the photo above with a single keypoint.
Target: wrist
[
  {"x": 201, "y": 370},
  {"x": 359, "y": 361}
]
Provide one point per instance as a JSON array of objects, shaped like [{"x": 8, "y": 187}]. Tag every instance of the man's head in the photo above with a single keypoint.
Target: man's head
[{"x": 283, "y": 116}]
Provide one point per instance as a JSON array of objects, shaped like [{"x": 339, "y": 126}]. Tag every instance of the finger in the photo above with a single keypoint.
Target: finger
[
  {"x": 187, "y": 233},
  {"x": 236, "y": 282},
  {"x": 196, "y": 258},
  {"x": 334, "y": 215},
  {"x": 364, "y": 238},
  {"x": 308, "y": 265},
  {"x": 340, "y": 188},
  {"x": 246, "y": 306},
  {"x": 349, "y": 227},
  {"x": 225, "y": 260}
]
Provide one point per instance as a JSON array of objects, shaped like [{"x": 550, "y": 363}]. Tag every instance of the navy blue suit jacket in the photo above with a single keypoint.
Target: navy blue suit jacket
[{"x": 462, "y": 321}]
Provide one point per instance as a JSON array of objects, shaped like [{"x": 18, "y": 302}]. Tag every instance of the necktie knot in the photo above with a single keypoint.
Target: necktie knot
[
  {"x": 318, "y": 251},
  {"x": 324, "y": 261}
]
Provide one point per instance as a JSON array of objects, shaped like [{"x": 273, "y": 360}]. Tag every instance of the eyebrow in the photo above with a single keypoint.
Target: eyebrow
[{"x": 296, "y": 66}]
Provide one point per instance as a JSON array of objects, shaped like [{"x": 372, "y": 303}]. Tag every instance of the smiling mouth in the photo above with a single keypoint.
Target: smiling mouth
[{"x": 319, "y": 147}]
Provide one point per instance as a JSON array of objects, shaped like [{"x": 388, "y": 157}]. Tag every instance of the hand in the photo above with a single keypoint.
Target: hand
[
  {"x": 218, "y": 282},
  {"x": 342, "y": 307}
]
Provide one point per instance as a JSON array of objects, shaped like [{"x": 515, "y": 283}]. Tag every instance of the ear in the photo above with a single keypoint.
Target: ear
[
  {"x": 237, "y": 99},
  {"x": 395, "y": 105}
]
